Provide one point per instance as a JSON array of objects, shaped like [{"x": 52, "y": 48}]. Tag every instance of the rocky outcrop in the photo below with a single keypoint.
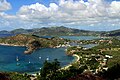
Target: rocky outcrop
[{"x": 32, "y": 46}]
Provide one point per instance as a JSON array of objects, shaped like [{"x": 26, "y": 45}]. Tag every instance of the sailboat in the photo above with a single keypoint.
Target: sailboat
[
  {"x": 29, "y": 62},
  {"x": 47, "y": 58},
  {"x": 17, "y": 59},
  {"x": 39, "y": 57}
]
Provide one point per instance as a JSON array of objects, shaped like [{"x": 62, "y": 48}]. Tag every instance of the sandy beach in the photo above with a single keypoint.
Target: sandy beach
[
  {"x": 77, "y": 59},
  {"x": 66, "y": 67}
]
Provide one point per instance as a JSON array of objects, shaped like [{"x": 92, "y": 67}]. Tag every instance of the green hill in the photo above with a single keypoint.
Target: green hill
[
  {"x": 111, "y": 33},
  {"x": 54, "y": 31},
  {"x": 62, "y": 31}
]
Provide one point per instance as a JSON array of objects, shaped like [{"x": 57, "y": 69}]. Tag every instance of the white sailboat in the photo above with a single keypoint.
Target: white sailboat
[
  {"x": 40, "y": 57},
  {"x": 17, "y": 59},
  {"x": 47, "y": 58},
  {"x": 29, "y": 62}
]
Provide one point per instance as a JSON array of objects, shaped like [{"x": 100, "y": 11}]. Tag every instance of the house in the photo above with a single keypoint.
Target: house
[{"x": 108, "y": 56}]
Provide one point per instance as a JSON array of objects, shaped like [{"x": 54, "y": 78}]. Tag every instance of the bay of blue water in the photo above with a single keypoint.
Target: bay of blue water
[
  {"x": 29, "y": 63},
  {"x": 6, "y": 35},
  {"x": 33, "y": 62},
  {"x": 79, "y": 37}
]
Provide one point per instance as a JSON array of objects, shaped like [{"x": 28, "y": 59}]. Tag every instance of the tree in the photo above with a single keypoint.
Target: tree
[
  {"x": 112, "y": 73},
  {"x": 49, "y": 70},
  {"x": 56, "y": 65},
  {"x": 13, "y": 76},
  {"x": 45, "y": 70},
  {"x": 35, "y": 44}
]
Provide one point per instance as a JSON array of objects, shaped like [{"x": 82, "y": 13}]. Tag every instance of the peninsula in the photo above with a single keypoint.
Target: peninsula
[{"x": 33, "y": 42}]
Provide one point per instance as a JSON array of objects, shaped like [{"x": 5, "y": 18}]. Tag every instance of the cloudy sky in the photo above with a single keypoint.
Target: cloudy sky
[{"x": 96, "y": 15}]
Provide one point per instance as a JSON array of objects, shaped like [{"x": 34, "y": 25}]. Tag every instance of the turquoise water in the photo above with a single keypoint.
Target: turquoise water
[
  {"x": 33, "y": 62},
  {"x": 6, "y": 35},
  {"x": 79, "y": 37},
  {"x": 29, "y": 63}
]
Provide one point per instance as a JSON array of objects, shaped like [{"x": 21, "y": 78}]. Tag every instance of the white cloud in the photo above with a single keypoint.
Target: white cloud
[
  {"x": 67, "y": 13},
  {"x": 114, "y": 10},
  {"x": 4, "y": 5}
]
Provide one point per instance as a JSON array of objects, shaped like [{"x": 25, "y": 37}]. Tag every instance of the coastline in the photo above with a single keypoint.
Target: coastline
[
  {"x": 69, "y": 65},
  {"x": 3, "y": 44},
  {"x": 78, "y": 57},
  {"x": 64, "y": 67}
]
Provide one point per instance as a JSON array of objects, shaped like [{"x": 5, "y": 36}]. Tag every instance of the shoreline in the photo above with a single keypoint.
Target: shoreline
[
  {"x": 69, "y": 65},
  {"x": 78, "y": 57},
  {"x": 65, "y": 67},
  {"x": 3, "y": 44}
]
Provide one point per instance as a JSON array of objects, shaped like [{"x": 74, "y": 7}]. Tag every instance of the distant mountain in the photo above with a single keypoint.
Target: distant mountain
[
  {"x": 21, "y": 30},
  {"x": 111, "y": 33},
  {"x": 5, "y": 32},
  {"x": 62, "y": 31},
  {"x": 56, "y": 31}
]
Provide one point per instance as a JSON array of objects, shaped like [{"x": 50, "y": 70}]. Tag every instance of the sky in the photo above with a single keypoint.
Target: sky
[{"x": 94, "y": 15}]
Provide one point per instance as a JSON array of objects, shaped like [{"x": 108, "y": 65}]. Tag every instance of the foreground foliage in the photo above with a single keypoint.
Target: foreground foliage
[{"x": 14, "y": 76}]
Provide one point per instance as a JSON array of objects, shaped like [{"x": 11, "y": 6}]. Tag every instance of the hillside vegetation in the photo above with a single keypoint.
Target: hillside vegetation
[
  {"x": 32, "y": 42},
  {"x": 111, "y": 33},
  {"x": 62, "y": 31},
  {"x": 56, "y": 31}
]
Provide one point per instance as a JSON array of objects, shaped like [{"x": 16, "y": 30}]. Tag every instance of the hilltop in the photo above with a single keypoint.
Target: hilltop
[
  {"x": 54, "y": 31},
  {"x": 111, "y": 33},
  {"x": 61, "y": 31}
]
